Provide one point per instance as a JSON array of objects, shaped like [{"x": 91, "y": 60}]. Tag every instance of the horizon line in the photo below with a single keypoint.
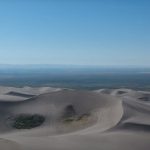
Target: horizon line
[{"x": 78, "y": 65}]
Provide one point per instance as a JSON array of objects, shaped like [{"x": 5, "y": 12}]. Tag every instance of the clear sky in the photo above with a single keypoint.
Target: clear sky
[{"x": 80, "y": 32}]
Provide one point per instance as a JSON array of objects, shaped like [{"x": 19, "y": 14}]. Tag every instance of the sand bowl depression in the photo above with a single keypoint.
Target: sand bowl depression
[{"x": 61, "y": 112}]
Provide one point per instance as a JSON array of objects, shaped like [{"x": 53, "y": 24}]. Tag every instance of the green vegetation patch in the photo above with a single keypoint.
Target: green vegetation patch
[
  {"x": 27, "y": 121},
  {"x": 76, "y": 118},
  {"x": 70, "y": 115}
]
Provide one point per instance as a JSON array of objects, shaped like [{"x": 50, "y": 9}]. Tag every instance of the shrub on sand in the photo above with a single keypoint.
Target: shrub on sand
[{"x": 27, "y": 121}]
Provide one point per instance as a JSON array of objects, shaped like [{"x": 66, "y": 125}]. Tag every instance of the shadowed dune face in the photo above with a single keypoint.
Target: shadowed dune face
[
  {"x": 145, "y": 97},
  {"x": 121, "y": 92},
  {"x": 62, "y": 111},
  {"x": 19, "y": 94}
]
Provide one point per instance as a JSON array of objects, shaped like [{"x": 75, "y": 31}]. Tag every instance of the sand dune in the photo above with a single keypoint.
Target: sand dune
[{"x": 74, "y": 120}]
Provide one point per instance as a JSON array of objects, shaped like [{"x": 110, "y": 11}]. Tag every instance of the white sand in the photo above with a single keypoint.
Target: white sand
[{"x": 119, "y": 119}]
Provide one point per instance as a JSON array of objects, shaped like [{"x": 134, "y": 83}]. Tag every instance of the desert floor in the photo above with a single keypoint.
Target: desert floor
[{"x": 48, "y": 118}]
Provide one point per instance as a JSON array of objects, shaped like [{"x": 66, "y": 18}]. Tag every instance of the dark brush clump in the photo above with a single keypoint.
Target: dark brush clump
[{"x": 27, "y": 121}]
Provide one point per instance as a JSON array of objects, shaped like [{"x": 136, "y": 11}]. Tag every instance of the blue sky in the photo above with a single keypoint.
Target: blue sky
[{"x": 80, "y": 32}]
